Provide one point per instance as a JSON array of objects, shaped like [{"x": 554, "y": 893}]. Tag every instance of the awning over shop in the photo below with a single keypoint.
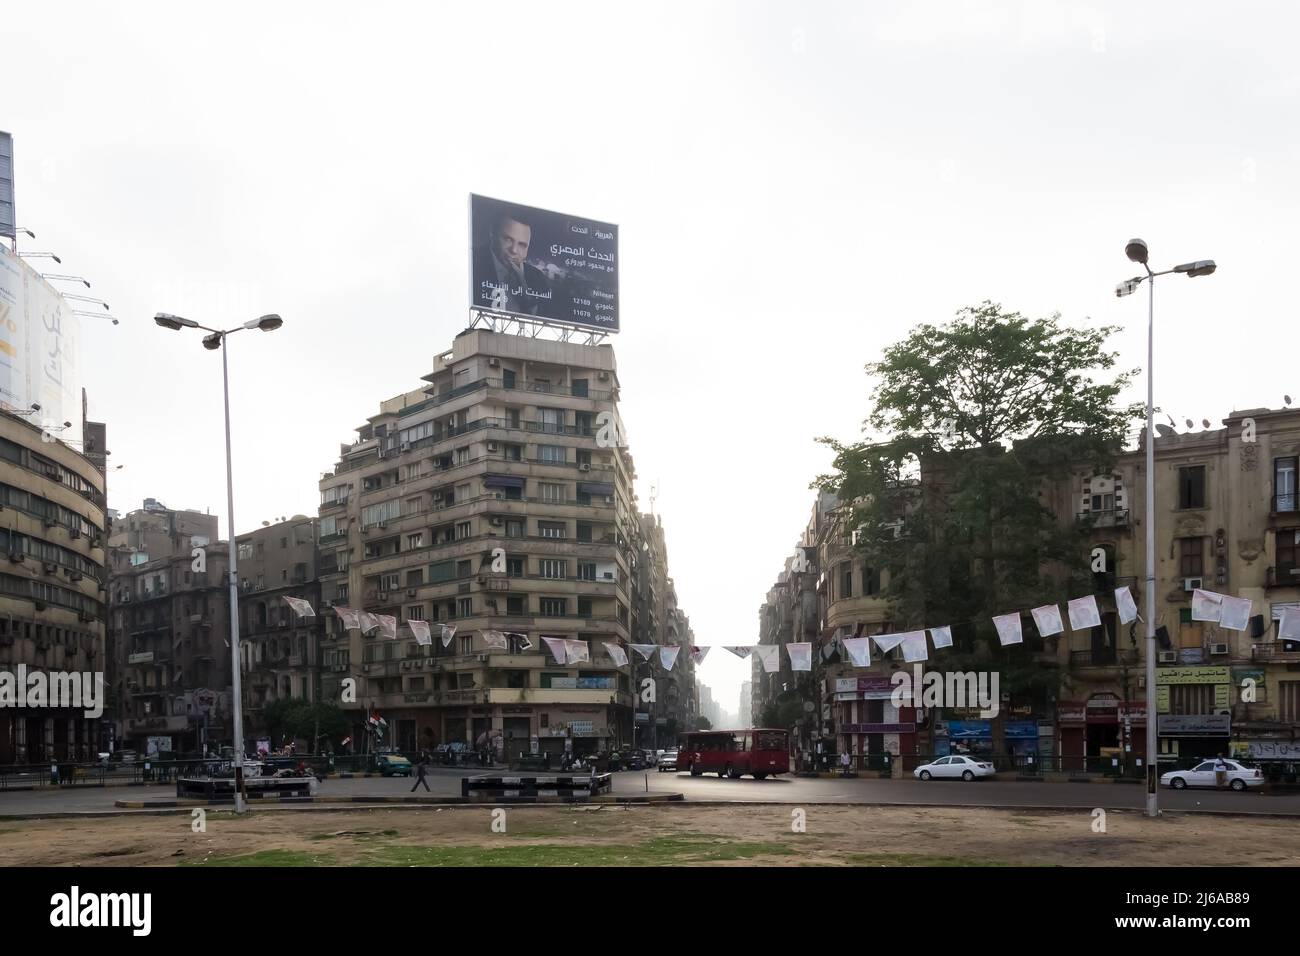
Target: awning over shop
[
  {"x": 503, "y": 481},
  {"x": 595, "y": 488}
]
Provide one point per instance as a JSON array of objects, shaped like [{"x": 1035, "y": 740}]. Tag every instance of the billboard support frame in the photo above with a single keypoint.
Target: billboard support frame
[{"x": 501, "y": 323}]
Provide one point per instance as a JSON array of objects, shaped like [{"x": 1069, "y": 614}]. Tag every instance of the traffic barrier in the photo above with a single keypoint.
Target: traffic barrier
[{"x": 560, "y": 786}]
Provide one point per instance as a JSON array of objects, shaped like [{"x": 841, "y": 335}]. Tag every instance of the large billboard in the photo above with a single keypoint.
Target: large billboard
[
  {"x": 538, "y": 264},
  {"x": 7, "y": 221},
  {"x": 40, "y": 362}
]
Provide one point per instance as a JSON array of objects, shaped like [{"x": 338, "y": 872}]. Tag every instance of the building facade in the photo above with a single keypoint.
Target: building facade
[
  {"x": 169, "y": 627},
  {"x": 52, "y": 591},
  {"x": 497, "y": 500}
]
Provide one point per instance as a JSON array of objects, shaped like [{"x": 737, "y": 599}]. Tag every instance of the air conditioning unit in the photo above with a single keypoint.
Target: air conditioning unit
[
  {"x": 17, "y": 557},
  {"x": 74, "y": 576},
  {"x": 1218, "y": 649},
  {"x": 382, "y": 596},
  {"x": 404, "y": 446},
  {"x": 494, "y": 363},
  {"x": 609, "y": 575},
  {"x": 406, "y": 665},
  {"x": 603, "y": 376},
  {"x": 584, "y": 467},
  {"x": 410, "y": 592},
  {"x": 74, "y": 532},
  {"x": 437, "y": 496},
  {"x": 365, "y": 668},
  {"x": 609, "y": 499},
  {"x": 49, "y": 522},
  {"x": 491, "y": 447},
  {"x": 51, "y": 568},
  {"x": 495, "y": 522},
  {"x": 1167, "y": 657},
  {"x": 481, "y": 657},
  {"x": 1191, "y": 584}
]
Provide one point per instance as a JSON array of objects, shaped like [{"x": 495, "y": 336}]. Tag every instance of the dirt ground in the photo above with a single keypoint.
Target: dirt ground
[{"x": 650, "y": 836}]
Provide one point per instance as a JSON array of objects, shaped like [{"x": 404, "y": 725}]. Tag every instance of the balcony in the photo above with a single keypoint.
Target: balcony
[
  {"x": 1283, "y": 576},
  {"x": 1104, "y": 657},
  {"x": 1276, "y": 652},
  {"x": 334, "y": 503},
  {"x": 1112, "y": 518}
]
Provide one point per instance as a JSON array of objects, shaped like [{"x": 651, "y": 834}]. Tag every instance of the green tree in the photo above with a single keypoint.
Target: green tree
[
  {"x": 305, "y": 720},
  {"x": 976, "y": 419},
  {"x": 703, "y": 723}
]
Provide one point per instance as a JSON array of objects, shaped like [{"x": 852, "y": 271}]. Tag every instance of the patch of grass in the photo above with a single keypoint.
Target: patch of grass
[
  {"x": 268, "y": 858},
  {"x": 655, "y": 852},
  {"x": 915, "y": 859}
]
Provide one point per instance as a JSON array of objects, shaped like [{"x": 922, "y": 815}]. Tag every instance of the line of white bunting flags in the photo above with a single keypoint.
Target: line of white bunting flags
[{"x": 1232, "y": 613}]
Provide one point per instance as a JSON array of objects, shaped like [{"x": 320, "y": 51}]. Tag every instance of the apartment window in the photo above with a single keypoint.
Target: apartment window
[
  {"x": 551, "y": 419},
  {"x": 466, "y": 646},
  {"x": 582, "y": 422},
  {"x": 1191, "y": 486},
  {"x": 284, "y": 543},
  {"x": 1191, "y": 560},
  {"x": 586, "y": 570},
  {"x": 464, "y": 569},
  {"x": 344, "y": 559},
  {"x": 414, "y": 505},
  {"x": 341, "y": 592},
  {"x": 1288, "y": 552},
  {"x": 1191, "y": 699},
  {"x": 415, "y": 612},
  {"x": 464, "y": 607},
  {"x": 846, "y": 580},
  {"x": 1103, "y": 503},
  {"x": 246, "y": 551},
  {"x": 517, "y": 605},
  {"x": 513, "y": 452},
  {"x": 414, "y": 541},
  {"x": 442, "y": 571},
  {"x": 551, "y": 529},
  {"x": 583, "y": 456},
  {"x": 1284, "y": 484},
  {"x": 870, "y": 582},
  {"x": 584, "y": 607},
  {"x": 261, "y": 582},
  {"x": 462, "y": 530},
  {"x": 462, "y": 455},
  {"x": 415, "y": 577},
  {"x": 390, "y": 582},
  {"x": 381, "y": 513},
  {"x": 584, "y": 531},
  {"x": 554, "y": 607},
  {"x": 551, "y": 454},
  {"x": 514, "y": 528},
  {"x": 551, "y": 492},
  {"x": 512, "y": 417},
  {"x": 514, "y": 567},
  {"x": 328, "y": 527},
  {"x": 417, "y": 468},
  {"x": 512, "y": 494},
  {"x": 508, "y": 378},
  {"x": 1288, "y": 701},
  {"x": 550, "y": 568},
  {"x": 580, "y": 387}
]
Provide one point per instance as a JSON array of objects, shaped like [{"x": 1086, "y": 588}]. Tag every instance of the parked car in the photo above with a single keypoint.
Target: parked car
[
  {"x": 393, "y": 765},
  {"x": 636, "y": 760},
  {"x": 1202, "y": 775},
  {"x": 668, "y": 761},
  {"x": 652, "y": 757},
  {"x": 966, "y": 768},
  {"x": 125, "y": 756}
]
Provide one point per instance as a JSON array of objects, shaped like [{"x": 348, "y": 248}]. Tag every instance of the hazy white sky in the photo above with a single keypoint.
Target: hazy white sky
[{"x": 796, "y": 185}]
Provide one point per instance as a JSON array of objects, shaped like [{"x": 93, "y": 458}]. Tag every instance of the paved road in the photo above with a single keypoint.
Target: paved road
[{"x": 790, "y": 790}]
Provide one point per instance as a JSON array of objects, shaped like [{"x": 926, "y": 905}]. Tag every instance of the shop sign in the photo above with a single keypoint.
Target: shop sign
[
  {"x": 1193, "y": 675},
  {"x": 1178, "y": 725}
]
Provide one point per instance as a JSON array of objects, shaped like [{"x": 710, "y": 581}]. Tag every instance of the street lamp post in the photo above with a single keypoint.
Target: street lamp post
[
  {"x": 217, "y": 338},
  {"x": 1137, "y": 252}
]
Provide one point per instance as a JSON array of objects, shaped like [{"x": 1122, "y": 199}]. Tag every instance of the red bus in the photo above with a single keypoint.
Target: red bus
[{"x": 734, "y": 753}]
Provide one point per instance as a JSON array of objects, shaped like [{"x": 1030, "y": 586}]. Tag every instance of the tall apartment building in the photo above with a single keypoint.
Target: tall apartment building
[
  {"x": 169, "y": 631},
  {"x": 745, "y": 711},
  {"x": 496, "y": 498},
  {"x": 52, "y": 607},
  {"x": 1227, "y": 520},
  {"x": 280, "y": 651}
]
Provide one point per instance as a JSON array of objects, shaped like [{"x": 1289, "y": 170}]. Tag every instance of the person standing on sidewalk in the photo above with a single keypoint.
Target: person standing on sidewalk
[
  {"x": 1220, "y": 772},
  {"x": 845, "y": 762},
  {"x": 421, "y": 769}
]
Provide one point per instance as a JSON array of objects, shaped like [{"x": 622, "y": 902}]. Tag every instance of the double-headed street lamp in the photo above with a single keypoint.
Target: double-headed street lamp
[
  {"x": 267, "y": 323},
  {"x": 1136, "y": 250}
]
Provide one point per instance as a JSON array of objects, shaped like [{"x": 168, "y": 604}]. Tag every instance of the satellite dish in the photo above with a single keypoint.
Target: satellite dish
[
  {"x": 1165, "y": 431},
  {"x": 1190, "y": 423},
  {"x": 1205, "y": 423},
  {"x": 1287, "y": 399}
]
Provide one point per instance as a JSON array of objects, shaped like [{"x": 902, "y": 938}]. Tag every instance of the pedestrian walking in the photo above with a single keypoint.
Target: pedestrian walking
[
  {"x": 421, "y": 769},
  {"x": 845, "y": 761}
]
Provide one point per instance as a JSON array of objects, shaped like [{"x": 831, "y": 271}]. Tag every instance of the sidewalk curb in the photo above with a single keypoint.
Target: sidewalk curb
[{"x": 641, "y": 799}]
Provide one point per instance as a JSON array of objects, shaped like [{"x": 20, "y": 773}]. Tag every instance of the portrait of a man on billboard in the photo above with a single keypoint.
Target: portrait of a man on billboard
[{"x": 507, "y": 282}]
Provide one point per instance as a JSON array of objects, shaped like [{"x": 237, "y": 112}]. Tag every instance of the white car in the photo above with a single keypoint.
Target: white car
[
  {"x": 1202, "y": 775},
  {"x": 967, "y": 768}
]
